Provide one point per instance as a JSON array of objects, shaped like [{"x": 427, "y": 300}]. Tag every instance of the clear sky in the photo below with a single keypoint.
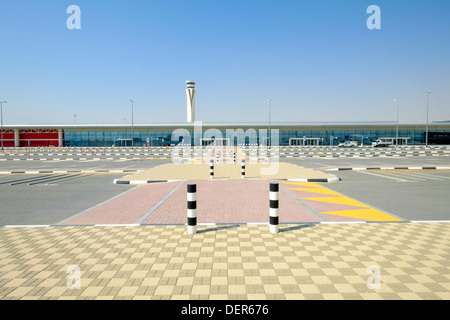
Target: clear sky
[{"x": 316, "y": 59}]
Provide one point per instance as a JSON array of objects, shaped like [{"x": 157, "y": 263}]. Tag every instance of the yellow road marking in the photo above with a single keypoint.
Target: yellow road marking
[
  {"x": 318, "y": 190},
  {"x": 339, "y": 200},
  {"x": 364, "y": 212}
]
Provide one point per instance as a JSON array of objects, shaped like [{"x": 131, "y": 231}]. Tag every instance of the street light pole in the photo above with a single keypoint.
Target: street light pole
[
  {"x": 396, "y": 134},
  {"x": 1, "y": 119},
  {"x": 269, "y": 135},
  {"x": 426, "y": 130},
  {"x": 132, "y": 124}
]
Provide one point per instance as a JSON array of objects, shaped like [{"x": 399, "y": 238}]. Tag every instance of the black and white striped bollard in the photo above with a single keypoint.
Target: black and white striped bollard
[
  {"x": 273, "y": 207},
  {"x": 211, "y": 169},
  {"x": 192, "y": 208},
  {"x": 243, "y": 169}
]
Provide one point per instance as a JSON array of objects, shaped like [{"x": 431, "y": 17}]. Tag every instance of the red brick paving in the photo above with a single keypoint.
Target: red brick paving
[
  {"x": 125, "y": 208},
  {"x": 230, "y": 201},
  {"x": 218, "y": 201}
]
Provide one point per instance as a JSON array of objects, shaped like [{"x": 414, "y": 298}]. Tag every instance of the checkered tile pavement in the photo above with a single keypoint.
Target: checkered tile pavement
[{"x": 303, "y": 261}]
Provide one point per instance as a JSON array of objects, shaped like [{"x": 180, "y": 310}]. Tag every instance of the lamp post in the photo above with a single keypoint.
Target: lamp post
[
  {"x": 396, "y": 133},
  {"x": 426, "y": 129},
  {"x": 269, "y": 135},
  {"x": 132, "y": 124},
  {"x": 1, "y": 119}
]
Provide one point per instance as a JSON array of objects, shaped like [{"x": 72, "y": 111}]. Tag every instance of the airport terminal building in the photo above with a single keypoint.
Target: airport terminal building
[{"x": 198, "y": 133}]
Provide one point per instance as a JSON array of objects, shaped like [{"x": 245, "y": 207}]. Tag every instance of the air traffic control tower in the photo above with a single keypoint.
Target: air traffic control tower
[{"x": 190, "y": 94}]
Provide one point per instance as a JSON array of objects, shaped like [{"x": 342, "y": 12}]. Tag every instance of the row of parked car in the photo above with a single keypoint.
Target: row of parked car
[{"x": 378, "y": 143}]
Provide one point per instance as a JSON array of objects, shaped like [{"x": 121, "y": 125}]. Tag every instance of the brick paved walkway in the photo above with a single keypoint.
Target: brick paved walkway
[
  {"x": 125, "y": 208},
  {"x": 227, "y": 201}
]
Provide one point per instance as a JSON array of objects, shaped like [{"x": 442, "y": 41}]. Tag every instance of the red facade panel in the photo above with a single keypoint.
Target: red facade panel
[
  {"x": 38, "y": 138},
  {"x": 32, "y": 137},
  {"x": 8, "y": 138}
]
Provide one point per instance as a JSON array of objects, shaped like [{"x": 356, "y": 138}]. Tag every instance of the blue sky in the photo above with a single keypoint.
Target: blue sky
[{"x": 316, "y": 59}]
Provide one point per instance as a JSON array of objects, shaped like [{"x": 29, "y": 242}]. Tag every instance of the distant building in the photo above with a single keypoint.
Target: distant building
[
  {"x": 325, "y": 133},
  {"x": 289, "y": 133}
]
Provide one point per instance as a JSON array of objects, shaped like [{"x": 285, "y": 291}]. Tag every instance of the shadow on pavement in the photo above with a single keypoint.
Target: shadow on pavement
[
  {"x": 301, "y": 226},
  {"x": 224, "y": 227}
]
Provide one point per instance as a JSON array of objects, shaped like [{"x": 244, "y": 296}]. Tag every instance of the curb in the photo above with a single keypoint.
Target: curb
[
  {"x": 336, "y": 179},
  {"x": 389, "y": 168},
  {"x": 67, "y": 171},
  {"x": 221, "y": 224},
  {"x": 283, "y": 154},
  {"x": 116, "y": 181},
  {"x": 83, "y": 159}
]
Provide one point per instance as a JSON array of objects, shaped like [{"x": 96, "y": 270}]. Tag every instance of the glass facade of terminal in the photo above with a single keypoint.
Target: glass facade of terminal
[
  {"x": 116, "y": 138},
  {"x": 256, "y": 136}
]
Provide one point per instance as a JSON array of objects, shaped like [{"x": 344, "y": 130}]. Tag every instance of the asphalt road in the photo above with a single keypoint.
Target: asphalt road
[
  {"x": 49, "y": 200},
  {"x": 422, "y": 195},
  {"x": 408, "y": 194},
  {"x": 80, "y": 165},
  {"x": 324, "y": 163}
]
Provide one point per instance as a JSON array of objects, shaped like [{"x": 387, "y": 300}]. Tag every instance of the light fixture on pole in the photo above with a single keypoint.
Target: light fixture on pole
[
  {"x": 1, "y": 119},
  {"x": 132, "y": 124},
  {"x": 426, "y": 129},
  {"x": 396, "y": 133}
]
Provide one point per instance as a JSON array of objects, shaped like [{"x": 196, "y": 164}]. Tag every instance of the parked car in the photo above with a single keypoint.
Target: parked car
[
  {"x": 348, "y": 144},
  {"x": 382, "y": 143}
]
